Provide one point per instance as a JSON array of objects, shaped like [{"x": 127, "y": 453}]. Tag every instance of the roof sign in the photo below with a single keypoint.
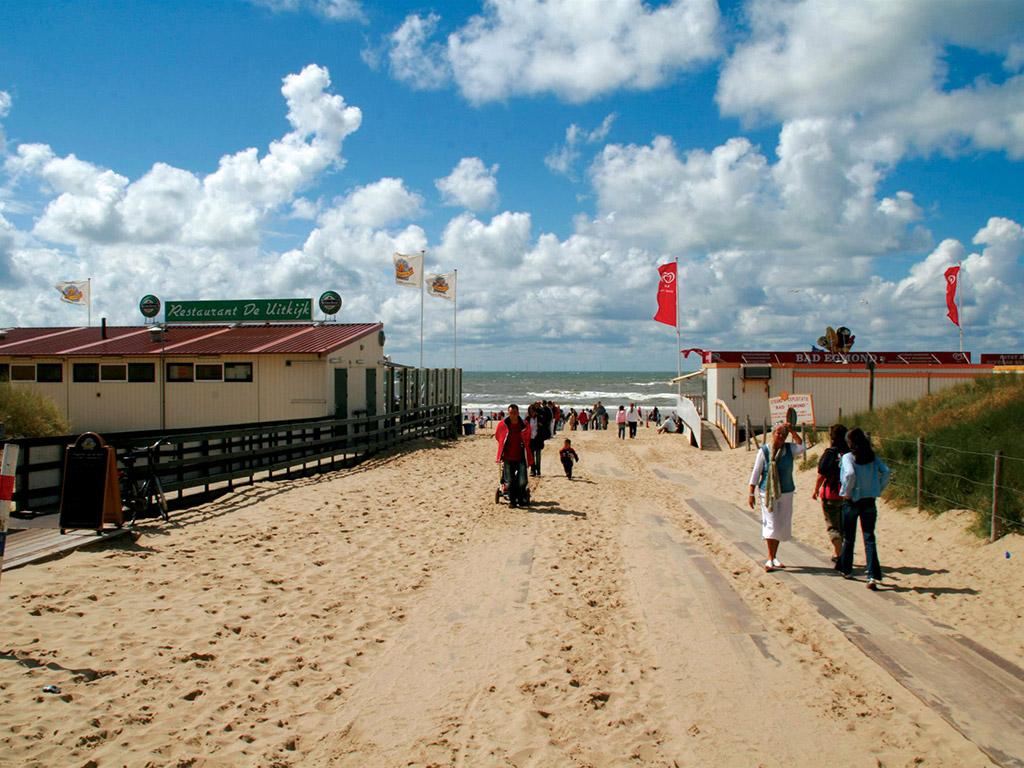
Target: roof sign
[{"x": 240, "y": 311}]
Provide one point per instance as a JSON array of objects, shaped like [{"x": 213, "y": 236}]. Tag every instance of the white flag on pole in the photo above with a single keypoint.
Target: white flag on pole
[
  {"x": 441, "y": 285},
  {"x": 409, "y": 269},
  {"x": 74, "y": 292}
]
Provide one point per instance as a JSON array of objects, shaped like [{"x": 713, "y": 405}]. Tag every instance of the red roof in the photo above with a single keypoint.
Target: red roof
[{"x": 184, "y": 340}]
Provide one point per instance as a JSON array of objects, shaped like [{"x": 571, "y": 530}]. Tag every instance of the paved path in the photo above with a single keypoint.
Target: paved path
[{"x": 975, "y": 690}]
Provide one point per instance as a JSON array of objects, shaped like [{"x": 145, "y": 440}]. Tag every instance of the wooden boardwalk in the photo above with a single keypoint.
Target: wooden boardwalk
[
  {"x": 975, "y": 690},
  {"x": 36, "y": 543}
]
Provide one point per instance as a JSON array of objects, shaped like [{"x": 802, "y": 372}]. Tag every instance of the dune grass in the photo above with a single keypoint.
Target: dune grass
[
  {"x": 962, "y": 427},
  {"x": 25, "y": 413}
]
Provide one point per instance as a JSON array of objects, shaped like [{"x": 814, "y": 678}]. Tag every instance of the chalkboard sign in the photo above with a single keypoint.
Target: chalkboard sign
[{"x": 90, "y": 494}]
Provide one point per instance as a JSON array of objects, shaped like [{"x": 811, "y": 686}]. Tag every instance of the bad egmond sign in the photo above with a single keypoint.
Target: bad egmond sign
[{"x": 243, "y": 310}]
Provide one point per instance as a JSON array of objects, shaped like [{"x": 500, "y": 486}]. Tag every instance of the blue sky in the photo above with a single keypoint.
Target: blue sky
[{"x": 810, "y": 163}]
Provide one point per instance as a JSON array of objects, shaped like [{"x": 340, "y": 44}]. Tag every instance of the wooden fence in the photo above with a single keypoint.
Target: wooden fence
[{"x": 222, "y": 455}]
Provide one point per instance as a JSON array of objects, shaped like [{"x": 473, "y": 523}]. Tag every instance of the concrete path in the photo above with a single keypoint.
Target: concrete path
[{"x": 975, "y": 690}]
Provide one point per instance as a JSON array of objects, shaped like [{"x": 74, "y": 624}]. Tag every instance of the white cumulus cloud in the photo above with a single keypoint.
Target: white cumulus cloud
[
  {"x": 884, "y": 62},
  {"x": 470, "y": 185},
  {"x": 576, "y": 51}
]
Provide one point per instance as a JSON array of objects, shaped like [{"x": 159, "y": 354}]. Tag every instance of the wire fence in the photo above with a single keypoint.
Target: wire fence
[{"x": 939, "y": 477}]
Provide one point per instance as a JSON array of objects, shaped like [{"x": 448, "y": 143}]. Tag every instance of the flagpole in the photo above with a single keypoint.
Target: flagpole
[
  {"x": 959, "y": 310},
  {"x": 679, "y": 344},
  {"x": 455, "y": 319},
  {"x": 423, "y": 261},
  {"x": 88, "y": 281}
]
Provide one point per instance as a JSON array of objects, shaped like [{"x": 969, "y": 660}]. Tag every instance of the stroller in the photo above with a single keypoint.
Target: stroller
[{"x": 501, "y": 492}]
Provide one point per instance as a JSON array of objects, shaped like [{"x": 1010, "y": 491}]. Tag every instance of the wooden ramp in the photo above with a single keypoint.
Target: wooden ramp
[
  {"x": 34, "y": 544},
  {"x": 974, "y": 689}
]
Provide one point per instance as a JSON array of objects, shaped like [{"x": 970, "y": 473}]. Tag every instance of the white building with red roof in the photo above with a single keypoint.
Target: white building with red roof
[{"x": 126, "y": 378}]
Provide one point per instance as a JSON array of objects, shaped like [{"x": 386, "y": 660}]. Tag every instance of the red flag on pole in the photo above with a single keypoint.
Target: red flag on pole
[
  {"x": 666, "y": 294},
  {"x": 952, "y": 277}
]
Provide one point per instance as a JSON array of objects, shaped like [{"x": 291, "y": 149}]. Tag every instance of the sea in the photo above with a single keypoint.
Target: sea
[{"x": 494, "y": 390}]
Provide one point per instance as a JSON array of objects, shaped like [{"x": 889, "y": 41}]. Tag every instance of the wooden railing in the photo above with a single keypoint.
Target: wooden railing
[
  {"x": 222, "y": 455},
  {"x": 726, "y": 422}
]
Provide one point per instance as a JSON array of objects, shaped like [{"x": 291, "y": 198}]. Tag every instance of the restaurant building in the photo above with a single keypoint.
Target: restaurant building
[
  {"x": 840, "y": 384},
  {"x": 118, "y": 378}
]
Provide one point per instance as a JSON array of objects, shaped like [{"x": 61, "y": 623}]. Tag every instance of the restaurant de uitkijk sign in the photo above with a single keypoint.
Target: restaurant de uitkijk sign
[{"x": 243, "y": 310}]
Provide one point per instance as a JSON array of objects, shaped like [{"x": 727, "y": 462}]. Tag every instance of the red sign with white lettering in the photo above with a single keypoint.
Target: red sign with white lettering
[
  {"x": 1014, "y": 358},
  {"x": 837, "y": 358}
]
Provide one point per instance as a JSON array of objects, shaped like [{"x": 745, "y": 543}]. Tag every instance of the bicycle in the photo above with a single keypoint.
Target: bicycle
[{"x": 138, "y": 494}]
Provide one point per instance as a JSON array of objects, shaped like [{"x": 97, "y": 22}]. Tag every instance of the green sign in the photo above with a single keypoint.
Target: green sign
[
  {"x": 330, "y": 302},
  {"x": 149, "y": 305},
  {"x": 240, "y": 311}
]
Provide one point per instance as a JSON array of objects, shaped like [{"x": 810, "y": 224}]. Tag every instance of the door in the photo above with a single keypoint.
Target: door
[
  {"x": 341, "y": 393},
  {"x": 371, "y": 391}
]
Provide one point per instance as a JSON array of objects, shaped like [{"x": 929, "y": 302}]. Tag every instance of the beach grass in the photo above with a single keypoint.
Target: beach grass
[{"x": 961, "y": 428}]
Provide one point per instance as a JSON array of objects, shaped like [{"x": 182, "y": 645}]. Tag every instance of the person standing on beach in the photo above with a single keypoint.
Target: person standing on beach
[
  {"x": 827, "y": 486},
  {"x": 574, "y": 419},
  {"x": 620, "y": 422},
  {"x": 773, "y": 477},
  {"x": 540, "y": 431},
  {"x": 583, "y": 419},
  {"x": 633, "y": 419},
  {"x": 602, "y": 415},
  {"x": 864, "y": 477},
  {"x": 653, "y": 415},
  {"x": 513, "y": 437}
]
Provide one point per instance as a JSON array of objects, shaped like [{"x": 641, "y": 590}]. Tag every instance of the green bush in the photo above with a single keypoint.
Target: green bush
[
  {"x": 962, "y": 427},
  {"x": 25, "y": 413}
]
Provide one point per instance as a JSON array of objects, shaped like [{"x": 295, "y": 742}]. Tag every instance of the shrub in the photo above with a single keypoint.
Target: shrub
[{"x": 25, "y": 413}]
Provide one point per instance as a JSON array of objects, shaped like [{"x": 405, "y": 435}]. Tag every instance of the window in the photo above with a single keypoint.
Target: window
[
  {"x": 237, "y": 371},
  {"x": 209, "y": 372},
  {"x": 142, "y": 372},
  {"x": 5, "y": 372},
  {"x": 113, "y": 372},
  {"x": 85, "y": 373},
  {"x": 23, "y": 373},
  {"x": 180, "y": 372},
  {"x": 51, "y": 373}
]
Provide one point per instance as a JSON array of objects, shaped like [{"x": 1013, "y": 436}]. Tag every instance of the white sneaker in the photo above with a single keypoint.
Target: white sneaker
[{"x": 777, "y": 563}]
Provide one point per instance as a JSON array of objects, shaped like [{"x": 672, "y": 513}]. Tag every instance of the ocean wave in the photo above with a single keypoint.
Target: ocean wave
[{"x": 592, "y": 396}]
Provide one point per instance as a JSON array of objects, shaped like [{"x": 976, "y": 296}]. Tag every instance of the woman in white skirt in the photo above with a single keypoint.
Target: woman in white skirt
[{"x": 773, "y": 479}]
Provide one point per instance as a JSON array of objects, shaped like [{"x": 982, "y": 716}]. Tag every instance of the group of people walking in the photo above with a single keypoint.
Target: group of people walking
[
  {"x": 521, "y": 446},
  {"x": 850, "y": 479}
]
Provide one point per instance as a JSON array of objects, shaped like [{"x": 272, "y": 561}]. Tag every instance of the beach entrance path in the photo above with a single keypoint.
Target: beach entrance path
[
  {"x": 393, "y": 614},
  {"x": 976, "y": 691}
]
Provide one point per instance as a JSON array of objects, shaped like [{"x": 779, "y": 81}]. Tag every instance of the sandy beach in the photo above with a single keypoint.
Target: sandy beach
[{"x": 395, "y": 615}]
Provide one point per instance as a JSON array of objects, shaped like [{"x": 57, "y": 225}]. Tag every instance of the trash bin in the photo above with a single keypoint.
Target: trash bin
[{"x": 468, "y": 428}]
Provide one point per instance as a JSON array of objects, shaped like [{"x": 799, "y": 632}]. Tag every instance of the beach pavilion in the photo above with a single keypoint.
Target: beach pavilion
[{"x": 126, "y": 378}]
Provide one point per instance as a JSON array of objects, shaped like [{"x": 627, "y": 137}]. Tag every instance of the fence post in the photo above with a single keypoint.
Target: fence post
[
  {"x": 803, "y": 435},
  {"x": 750, "y": 433},
  {"x": 997, "y": 471},
  {"x": 8, "y": 462},
  {"x": 920, "y": 470}
]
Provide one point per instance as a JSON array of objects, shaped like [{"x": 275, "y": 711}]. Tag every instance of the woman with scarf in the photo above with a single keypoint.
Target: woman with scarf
[{"x": 773, "y": 477}]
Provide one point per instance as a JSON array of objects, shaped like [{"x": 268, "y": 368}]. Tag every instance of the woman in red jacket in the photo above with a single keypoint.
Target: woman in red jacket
[{"x": 513, "y": 436}]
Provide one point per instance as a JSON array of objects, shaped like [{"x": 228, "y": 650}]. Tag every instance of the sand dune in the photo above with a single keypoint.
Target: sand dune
[{"x": 395, "y": 615}]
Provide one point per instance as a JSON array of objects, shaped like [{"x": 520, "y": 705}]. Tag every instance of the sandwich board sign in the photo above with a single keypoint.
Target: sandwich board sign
[{"x": 792, "y": 408}]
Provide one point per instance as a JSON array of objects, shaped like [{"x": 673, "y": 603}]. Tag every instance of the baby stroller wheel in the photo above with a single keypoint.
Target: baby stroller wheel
[{"x": 497, "y": 495}]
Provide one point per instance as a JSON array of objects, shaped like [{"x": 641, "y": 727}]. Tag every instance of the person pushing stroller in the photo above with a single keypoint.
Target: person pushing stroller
[{"x": 514, "y": 455}]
